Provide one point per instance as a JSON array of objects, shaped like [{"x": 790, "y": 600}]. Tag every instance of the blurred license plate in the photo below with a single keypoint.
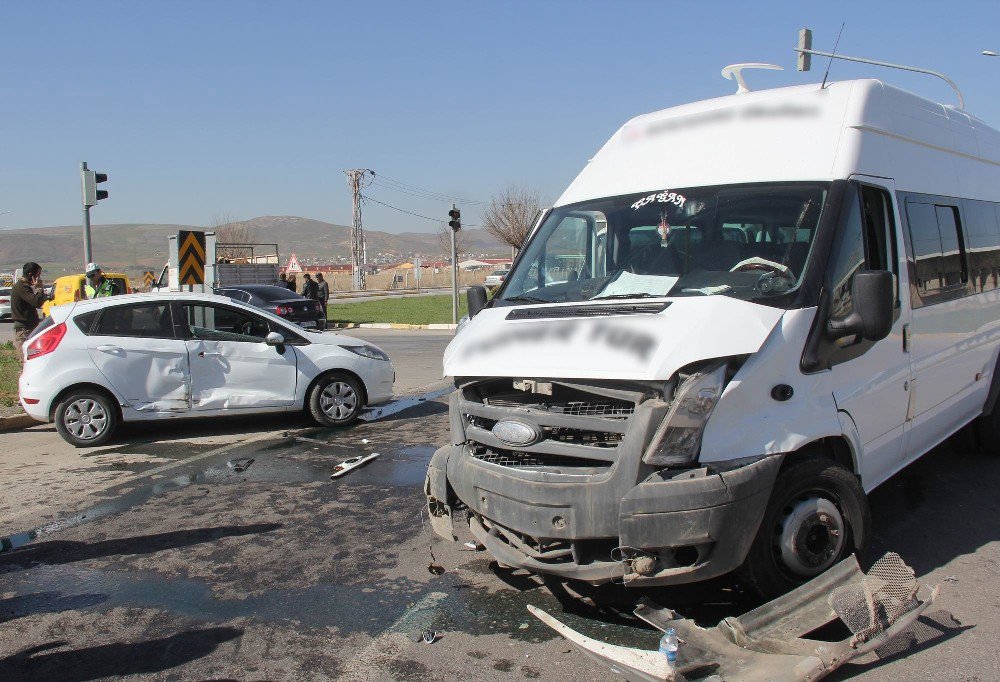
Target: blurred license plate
[{"x": 307, "y": 324}]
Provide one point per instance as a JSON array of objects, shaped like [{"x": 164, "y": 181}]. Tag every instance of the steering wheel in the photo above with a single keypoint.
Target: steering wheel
[{"x": 765, "y": 266}]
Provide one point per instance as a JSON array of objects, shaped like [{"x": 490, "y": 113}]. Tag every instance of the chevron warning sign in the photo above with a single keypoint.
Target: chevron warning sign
[
  {"x": 148, "y": 278},
  {"x": 191, "y": 257}
]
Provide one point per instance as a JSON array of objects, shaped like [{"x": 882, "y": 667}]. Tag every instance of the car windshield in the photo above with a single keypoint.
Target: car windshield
[
  {"x": 746, "y": 241},
  {"x": 268, "y": 294}
]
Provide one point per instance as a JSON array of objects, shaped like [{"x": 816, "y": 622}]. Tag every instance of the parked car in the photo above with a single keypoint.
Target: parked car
[
  {"x": 4, "y": 303},
  {"x": 93, "y": 364},
  {"x": 496, "y": 278},
  {"x": 284, "y": 303},
  {"x": 70, "y": 288}
]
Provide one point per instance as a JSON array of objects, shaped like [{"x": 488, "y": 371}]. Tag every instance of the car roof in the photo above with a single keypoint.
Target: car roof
[{"x": 88, "y": 304}]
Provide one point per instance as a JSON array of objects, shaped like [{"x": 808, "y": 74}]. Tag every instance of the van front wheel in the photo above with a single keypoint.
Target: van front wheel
[{"x": 818, "y": 514}]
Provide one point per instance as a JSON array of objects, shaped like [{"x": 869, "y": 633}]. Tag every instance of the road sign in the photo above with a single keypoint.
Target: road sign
[
  {"x": 191, "y": 256},
  {"x": 148, "y": 278},
  {"x": 293, "y": 264},
  {"x": 6, "y": 280}
]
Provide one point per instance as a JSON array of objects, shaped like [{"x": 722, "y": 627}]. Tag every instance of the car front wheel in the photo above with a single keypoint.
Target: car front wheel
[
  {"x": 336, "y": 400},
  {"x": 86, "y": 418}
]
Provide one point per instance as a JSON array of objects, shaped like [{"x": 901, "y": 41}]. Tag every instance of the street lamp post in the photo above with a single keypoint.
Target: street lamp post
[{"x": 991, "y": 53}]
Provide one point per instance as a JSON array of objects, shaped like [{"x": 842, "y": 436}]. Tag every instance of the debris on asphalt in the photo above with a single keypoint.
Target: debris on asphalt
[
  {"x": 771, "y": 642},
  {"x": 428, "y": 636},
  {"x": 374, "y": 413},
  {"x": 951, "y": 579},
  {"x": 365, "y": 441},
  {"x": 435, "y": 569},
  {"x": 303, "y": 439},
  {"x": 473, "y": 547},
  {"x": 240, "y": 464},
  {"x": 349, "y": 465}
]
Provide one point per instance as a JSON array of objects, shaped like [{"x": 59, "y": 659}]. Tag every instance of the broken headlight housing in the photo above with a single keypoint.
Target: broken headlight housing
[{"x": 678, "y": 440}]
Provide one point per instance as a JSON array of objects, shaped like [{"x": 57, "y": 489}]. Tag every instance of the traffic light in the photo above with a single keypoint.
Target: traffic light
[
  {"x": 91, "y": 195},
  {"x": 456, "y": 219}
]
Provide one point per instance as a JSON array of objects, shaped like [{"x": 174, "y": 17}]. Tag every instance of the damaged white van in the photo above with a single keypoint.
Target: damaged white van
[{"x": 742, "y": 316}]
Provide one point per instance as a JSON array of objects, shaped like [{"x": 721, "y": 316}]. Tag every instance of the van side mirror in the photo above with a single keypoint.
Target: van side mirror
[
  {"x": 871, "y": 292},
  {"x": 476, "y": 296}
]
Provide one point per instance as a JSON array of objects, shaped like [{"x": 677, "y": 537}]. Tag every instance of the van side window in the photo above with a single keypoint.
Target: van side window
[
  {"x": 864, "y": 242},
  {"x": 983, "y": 233},
  {"x": 938, "y": 250}
]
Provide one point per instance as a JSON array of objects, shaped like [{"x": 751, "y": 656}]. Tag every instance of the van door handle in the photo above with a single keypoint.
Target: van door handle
[
  {"x": 205, "y": 354},
  {"x": 109, "y": 348}
]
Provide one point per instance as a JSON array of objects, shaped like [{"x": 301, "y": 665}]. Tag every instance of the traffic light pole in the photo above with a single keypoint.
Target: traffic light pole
[
  {"x": 454, "y": 279},
  {"x": 88, "y": 256}
]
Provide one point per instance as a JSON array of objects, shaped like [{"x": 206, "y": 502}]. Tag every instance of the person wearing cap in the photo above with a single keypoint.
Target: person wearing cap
[{"x": 98, "y": 285}]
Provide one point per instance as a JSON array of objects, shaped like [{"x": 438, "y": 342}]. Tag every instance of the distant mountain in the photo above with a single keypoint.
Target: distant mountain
[{"x": 140, "y": 246}]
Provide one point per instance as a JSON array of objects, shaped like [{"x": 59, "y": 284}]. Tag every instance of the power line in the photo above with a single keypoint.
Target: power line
[
  {"x": 391, "y": 183},
  {"x": 402, "y": 210}
]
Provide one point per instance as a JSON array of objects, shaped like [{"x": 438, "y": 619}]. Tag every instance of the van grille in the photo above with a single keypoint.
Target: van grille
[{"x": 517, "y": 459}]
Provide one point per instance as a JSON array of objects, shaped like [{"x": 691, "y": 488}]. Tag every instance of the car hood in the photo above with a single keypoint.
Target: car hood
[{"x": 640, "y": 346}]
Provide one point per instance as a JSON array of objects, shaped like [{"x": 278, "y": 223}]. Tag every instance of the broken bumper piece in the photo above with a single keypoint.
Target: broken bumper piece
[{"x": 771, "y": 642}]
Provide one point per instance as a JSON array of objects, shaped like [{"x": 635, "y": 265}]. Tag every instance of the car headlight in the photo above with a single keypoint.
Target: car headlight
[
  {"x": 678, "y": 440},
  {"x": 368, "y": 352}
]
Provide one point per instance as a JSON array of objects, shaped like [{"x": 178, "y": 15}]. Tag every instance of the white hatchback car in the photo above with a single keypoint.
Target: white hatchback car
[{"x": 92, "y": 364}]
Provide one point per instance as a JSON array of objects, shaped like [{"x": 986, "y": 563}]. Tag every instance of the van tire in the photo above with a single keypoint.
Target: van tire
[
  {"x": 987, "y": 429},
  {"x": 814, "y": 502},
  {"x": 323, "y": 399},
  {"x": 99, "y": 411}
]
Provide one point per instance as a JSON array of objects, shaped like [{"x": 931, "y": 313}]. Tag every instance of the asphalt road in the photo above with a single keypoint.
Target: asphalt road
[{"x": 157, "y": 559}]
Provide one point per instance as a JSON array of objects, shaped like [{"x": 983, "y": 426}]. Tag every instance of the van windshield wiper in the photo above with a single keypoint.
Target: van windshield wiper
[
  {"x": 528, "y": 299},
  {"x": 638, "y": 295}
]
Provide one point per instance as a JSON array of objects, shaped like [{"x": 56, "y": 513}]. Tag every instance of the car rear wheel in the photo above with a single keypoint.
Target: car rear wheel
[
  {"x": 336, "y": 400},
  {"x": 86, "y": 418},
  {"x": 817, "y": 515}
]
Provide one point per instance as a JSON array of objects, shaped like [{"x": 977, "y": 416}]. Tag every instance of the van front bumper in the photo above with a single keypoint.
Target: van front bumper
[{"x": 673, "y": 527}]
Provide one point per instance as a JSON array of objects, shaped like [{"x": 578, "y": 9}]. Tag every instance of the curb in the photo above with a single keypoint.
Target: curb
[
  {"x": 18, "y": 421},
  {"x": 389, "y": 325}
]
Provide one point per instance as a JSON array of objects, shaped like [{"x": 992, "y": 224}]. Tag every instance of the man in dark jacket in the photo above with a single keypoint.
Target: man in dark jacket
[
  {"x": 26, "y": 297},
  {"x": 309, "y": 288}
]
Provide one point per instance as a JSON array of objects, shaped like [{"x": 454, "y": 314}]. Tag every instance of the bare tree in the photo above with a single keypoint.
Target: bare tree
[
  {"x": 228, "y": 230},
  {"x": 511, "y": 214}
]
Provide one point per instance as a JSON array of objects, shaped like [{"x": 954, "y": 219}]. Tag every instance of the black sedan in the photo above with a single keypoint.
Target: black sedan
[{"x": 280, "y": 301}]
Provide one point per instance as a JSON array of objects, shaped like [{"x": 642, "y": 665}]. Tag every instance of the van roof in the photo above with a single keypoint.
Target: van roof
[{"x": 799, "y": 133}]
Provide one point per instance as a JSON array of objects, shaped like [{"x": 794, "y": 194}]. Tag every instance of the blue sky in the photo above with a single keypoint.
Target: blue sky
[{"x": 201, "y": 109}]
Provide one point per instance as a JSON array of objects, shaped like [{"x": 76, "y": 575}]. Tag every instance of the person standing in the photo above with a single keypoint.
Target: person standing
[
  {"x": 26, "y": 297},
  {"x": 324, "y": 291},
  {"x": 309, "y": 288},
  {"x": 98, "y": 285},
  {"x": 283, "y": 281}
]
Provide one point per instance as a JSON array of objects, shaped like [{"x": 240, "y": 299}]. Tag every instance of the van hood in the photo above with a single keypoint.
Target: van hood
[{"x": 637, "y": 346}]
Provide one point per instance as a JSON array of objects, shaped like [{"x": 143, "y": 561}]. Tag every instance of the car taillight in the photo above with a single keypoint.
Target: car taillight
[
  {"x": 282, "y": 310},
  {"x": 46, "y": 342},
  {"x": 4, "y": 300}
]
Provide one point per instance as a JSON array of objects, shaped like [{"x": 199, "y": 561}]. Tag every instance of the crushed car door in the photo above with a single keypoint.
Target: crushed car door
[
  {"x": 135, "y": 348},
  {"x": 231, "y": 365}
]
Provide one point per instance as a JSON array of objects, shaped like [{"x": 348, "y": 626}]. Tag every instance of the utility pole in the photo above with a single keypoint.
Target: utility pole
[
  {"x": 455, "y": 224},
  {"x": 359, "y": 254}
]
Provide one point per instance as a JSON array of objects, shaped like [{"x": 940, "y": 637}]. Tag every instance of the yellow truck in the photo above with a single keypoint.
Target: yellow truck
[{"x": 70, "y": 288}]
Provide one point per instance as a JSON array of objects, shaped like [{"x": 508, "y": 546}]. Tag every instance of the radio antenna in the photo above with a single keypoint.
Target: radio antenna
[{"x": 826, "y": 75}]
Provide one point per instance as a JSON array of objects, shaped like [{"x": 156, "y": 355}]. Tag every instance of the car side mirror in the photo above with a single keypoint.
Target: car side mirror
[
  {"x": 871, "y": 293},
  {"x": 274, "y": 339},
  {"x": 476, "y": 296}
]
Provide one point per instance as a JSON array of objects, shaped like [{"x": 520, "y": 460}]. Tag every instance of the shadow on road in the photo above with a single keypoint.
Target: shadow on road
[
  {"x": 45, "y": 602},
  {"x": 64, "y": 552},
  {"x": 114, "y": 660}
]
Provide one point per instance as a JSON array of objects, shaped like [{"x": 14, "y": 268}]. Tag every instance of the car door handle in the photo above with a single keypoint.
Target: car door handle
[
  {"x": 109, "y": 348},
  {"x": 205, "y": 354}
]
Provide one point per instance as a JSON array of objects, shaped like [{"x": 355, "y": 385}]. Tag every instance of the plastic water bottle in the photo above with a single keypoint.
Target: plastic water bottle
[{"x": 668, "y": 647}]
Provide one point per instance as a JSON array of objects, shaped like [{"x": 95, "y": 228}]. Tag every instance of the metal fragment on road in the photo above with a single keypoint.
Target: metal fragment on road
[
  {"x": 303, "y": 439},
  {"x": 240, "y": 464},
  {"x": 375, "y": 413},
  {"x": 772, "y": 641},
  {"x": 428, "y": 636},
  {"x": 349, "y": 465}
]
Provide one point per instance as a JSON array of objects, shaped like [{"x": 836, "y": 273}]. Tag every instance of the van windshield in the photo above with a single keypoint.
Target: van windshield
[{"x": 745, "y": 241}]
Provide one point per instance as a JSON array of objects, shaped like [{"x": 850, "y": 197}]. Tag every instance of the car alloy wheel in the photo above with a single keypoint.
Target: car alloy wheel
[{"x": 338, "y": 400}]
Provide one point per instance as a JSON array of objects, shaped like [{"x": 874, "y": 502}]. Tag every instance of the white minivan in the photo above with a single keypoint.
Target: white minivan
[
  {"x": 741, "y": 317},
  {"x": 92, "y": 364}
]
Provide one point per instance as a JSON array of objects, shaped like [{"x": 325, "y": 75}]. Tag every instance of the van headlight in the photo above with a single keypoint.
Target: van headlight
[{"x": 678, "y": 440}]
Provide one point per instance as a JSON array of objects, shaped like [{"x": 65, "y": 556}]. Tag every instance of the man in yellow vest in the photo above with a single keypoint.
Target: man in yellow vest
[{"x": 98, "y": 285}]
